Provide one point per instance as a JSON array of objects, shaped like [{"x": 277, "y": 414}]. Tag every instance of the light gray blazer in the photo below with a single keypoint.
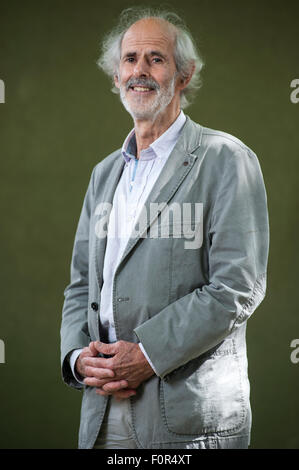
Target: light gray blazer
[{"x": 188, "y": 307}]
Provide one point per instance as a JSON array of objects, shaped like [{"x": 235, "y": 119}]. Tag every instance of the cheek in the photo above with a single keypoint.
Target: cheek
[
  {"x": 125, "y": 72},
  {"x": 122, "y": 77},
  {"x": 164, "y": 78}
]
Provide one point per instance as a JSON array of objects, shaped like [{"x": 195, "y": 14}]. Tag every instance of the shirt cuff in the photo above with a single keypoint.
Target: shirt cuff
[
  {"x": 73, "y": 357},
  {"x": 147, "y": 358}
]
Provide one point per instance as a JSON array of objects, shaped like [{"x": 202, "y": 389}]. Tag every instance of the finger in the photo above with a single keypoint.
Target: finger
[
  {"x": 93, "y": 382},
  {"x": 93, "y": 349},
  {"x": 109, "y": 349},
  {"x": 99, "y": 362},
  {"x": 99, "y": 391},
  {"x": 98, "y": 373},
  {"x": 115, "y": 386},
  {"x": 89, "y": 351},
  {"x": 85, "y": 351},
  {"x": 124, "y": 394},
  {"x": 118, "y": 395}
]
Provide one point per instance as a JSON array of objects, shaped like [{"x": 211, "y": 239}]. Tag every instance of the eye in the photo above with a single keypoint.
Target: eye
[
  {"x": 129, "y": 59},
  {"x": 157, "y": 59}
]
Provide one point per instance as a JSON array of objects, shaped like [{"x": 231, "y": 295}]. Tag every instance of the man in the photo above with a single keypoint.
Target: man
[{"x": 169, "y": 262}]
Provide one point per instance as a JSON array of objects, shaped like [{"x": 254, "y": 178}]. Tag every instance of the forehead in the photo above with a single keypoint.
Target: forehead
[{"x": 148, "y": 33}]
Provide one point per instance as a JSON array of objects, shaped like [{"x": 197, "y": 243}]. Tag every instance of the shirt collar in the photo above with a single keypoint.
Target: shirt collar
[{"x": 161, "y": 147}]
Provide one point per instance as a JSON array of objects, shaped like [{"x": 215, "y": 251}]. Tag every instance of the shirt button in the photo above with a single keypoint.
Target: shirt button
[{"x": 94, "y": 306}]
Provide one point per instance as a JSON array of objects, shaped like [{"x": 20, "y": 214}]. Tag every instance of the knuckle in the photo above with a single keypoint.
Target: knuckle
[
  {"x": 107, "y": 388},
  {"x": 109, "y": 363},
  {"x": 96, "y": 373},
  {"x": 88, "y": 370},
  {"x": 106, "y": 374}
]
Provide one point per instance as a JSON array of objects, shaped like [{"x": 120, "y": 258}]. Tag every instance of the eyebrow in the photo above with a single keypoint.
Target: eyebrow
[{"x": 152, "y": 53}]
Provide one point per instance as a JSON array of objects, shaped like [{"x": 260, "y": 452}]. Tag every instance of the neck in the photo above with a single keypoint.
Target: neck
[{"x": 147, "y": 131}]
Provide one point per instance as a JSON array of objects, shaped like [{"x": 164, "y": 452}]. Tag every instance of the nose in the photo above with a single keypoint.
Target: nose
[{"x": 141, "y": 68}]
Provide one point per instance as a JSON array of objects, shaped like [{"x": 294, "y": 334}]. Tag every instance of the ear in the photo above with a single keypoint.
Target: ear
[
  {"x": 116, "y": 80},
  {"x": 183, "y": 82}
]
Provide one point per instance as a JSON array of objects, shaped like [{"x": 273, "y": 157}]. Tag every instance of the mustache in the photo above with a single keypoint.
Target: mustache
[{"x": 144, "y": 82}]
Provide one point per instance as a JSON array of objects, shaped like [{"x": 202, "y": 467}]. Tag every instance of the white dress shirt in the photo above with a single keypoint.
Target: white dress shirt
[{"x": 135, "y": 184}]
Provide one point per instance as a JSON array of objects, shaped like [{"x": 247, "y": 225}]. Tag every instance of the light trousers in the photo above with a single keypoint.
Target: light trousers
[{"x": 116, "y": 430}]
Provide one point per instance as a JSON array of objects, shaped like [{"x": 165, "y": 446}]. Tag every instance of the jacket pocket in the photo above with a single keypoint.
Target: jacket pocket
[{"x": 206, "y": 395}]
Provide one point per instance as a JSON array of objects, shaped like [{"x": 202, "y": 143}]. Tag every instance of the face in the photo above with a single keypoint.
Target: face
[{"x": 147, "y": 76}]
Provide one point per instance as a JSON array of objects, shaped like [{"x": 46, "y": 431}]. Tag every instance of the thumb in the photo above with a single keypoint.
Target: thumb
[
  {"x": 109, "y": 349},
  {"x": 92, "y": 347}
]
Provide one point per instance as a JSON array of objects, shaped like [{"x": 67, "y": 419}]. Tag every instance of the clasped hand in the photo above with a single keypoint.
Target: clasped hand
[{"x": 120, "y": 374}]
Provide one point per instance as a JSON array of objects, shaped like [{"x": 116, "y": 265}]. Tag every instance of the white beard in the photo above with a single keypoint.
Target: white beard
[{"x": 157, "y": 104}]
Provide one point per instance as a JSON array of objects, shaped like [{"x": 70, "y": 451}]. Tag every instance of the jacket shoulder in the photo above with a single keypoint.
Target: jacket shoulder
[
  {"x": 102, "y": 169},
  {"x": 221, "y": 141},
  {"x": 108, "y": 161}
]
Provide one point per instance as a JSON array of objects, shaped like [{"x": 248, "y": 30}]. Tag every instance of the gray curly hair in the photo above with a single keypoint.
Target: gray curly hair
[{"x": 185, "y": 52}]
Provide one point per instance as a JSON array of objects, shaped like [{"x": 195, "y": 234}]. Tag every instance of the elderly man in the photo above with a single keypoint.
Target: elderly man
[{"x": 153, "y": 326}]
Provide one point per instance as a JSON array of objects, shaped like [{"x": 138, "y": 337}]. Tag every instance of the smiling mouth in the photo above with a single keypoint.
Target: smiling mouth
[{"x": 141, "y": 89}]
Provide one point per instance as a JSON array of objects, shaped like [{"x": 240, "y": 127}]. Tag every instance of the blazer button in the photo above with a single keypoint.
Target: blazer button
[
  {"x": 94, "y": 306},
  {"x": 185, "y": 163}
]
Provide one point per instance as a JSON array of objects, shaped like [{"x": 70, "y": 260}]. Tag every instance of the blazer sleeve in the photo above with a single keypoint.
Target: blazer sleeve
[
  {"x": 74, "y": 326},
  {"x": 238, "y": 253}
]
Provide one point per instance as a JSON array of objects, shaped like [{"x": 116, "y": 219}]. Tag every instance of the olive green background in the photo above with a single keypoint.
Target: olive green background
[{"x": 60, "y": 119}]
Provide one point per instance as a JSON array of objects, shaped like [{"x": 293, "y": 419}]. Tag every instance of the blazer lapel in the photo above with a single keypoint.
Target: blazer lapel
[{"x": 175, "y": 170}]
